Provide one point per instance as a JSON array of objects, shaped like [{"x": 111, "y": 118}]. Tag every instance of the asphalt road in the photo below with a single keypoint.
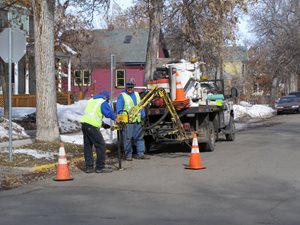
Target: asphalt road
[{"x": 254, "y": 180}]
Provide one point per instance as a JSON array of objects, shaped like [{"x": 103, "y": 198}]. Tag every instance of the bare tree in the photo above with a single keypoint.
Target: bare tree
[
  {"x": 277, "y": 24},
  {"x": 146, "y": 13},
  {"x": 47, "y": 121},
  {"x": 134, "y": 17},
  {"x": 43, "y": 10},
  {"x": 46, "y": 109},
  {"x": 203, "y": 28},
  {"x": 198, "y": 28},
  {"x": 154, "y": 9}
]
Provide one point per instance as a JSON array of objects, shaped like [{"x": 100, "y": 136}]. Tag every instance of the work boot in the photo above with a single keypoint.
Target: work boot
[
  {"x": 143, "y": 157},
  {"x": 104, "y": 170},
  {"x": 89, "y": 170},
  {"x": 128, "y": 158}
]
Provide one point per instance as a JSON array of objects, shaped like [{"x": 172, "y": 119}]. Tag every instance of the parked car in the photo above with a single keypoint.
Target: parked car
[
  {"x": 287, "y": 104},
  {"x": 297, "y": 93}
]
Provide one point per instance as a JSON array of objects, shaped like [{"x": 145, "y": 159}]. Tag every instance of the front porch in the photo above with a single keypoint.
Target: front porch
[{"x": 24, "y": 100}]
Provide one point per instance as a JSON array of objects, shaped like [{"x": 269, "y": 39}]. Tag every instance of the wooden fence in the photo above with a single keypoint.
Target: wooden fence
[{"x": 30, "y": 100}]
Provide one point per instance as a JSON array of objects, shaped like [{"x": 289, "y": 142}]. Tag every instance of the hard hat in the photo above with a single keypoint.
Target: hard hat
[
  {"x": 105, "y": 94},
  {"x": 130, "y": 83},
  {"x": 193, "y": 60}
]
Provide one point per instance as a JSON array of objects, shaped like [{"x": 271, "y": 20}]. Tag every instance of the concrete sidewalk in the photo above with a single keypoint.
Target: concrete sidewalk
[
  {"x": 20, "y": 142},
  {"x": 17, "y": 143}
]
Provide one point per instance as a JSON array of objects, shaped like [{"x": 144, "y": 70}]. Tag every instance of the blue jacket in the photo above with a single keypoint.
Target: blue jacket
[
  {"x": 120, "y": 103},
  {"x": 105, "y": 108}
]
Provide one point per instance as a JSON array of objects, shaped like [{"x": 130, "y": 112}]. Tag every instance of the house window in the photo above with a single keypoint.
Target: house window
[
  {"x": 120, "y": 78},
  {"x": 82, "y": 78}
]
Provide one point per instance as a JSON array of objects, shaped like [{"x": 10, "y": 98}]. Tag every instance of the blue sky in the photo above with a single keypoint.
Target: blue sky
[
  {"x": 244, "y": 33},
  {"x": 124, "y": 3}
]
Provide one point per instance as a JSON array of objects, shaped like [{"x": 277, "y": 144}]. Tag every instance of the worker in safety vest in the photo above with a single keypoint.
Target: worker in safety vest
[
  {"x": 133, "y": 130},
  {"x": 91, "y": 122}
]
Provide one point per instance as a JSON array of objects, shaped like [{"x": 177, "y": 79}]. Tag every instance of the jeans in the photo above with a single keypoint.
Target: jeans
[
  {"x": 92, "y": 136},
  {"x": 133, "y": 131}
]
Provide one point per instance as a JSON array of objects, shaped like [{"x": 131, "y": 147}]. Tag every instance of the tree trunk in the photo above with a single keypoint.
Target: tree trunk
[
  {"x": 46, "y": 109},
  {"x": 155, "y": 9},
  {"x": 274, "y": 90},
  {"x": 4, "y": 82}
]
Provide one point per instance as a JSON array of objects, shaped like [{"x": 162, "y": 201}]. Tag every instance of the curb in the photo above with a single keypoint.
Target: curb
[{"x": 53, "y": 165}]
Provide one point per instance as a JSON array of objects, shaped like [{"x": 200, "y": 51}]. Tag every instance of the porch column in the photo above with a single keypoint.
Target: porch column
[
  {"x": 59, "y": 77},
  {"x": 16, "y": 84},
  {"x": 26, "y": 75},
  {"x": 69, "y": 75}
]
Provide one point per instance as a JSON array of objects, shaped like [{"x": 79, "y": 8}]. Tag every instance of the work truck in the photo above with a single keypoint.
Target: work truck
[{"x": 181, "y": 101}]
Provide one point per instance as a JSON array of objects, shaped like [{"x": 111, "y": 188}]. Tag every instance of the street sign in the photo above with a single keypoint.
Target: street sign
[
  {"x": 18, "y": 44},
  {"x": 12, "y": 49}
]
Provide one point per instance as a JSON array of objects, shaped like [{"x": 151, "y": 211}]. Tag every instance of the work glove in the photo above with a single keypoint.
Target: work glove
[{"x": 105, "y": 126}]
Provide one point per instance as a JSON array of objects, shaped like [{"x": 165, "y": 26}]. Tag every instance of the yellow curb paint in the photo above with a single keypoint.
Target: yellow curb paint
[
  {"x": 44, "y": 167},
  {"x": 52, "y": 165},
  {"x": 79, "y": 159}
]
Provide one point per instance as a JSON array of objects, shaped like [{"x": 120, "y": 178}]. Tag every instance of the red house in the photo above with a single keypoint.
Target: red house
[{"x": 129, "y": 47}]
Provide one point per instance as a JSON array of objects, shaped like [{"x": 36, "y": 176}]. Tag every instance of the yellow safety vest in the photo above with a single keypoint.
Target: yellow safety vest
[
  {"x": 92, "y": 112},
  {"x": 129, "y": 104}
]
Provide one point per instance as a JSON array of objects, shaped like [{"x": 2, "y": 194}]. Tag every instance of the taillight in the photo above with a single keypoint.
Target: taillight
[{"x": 186, "y": 126}]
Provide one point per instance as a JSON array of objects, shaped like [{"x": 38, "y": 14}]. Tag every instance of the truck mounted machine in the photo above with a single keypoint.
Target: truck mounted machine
[{"x": 180, "y": 102}]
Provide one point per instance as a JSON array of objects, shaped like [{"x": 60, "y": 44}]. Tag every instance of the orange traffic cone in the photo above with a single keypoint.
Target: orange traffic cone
[
  {"x": 195, "y": 158},
  {"x": 62, "y": 171},
  {"x": 181, "y": 101}
]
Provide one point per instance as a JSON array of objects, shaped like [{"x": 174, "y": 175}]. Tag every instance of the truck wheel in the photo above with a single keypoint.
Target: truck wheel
[
  {"x": 211, "y": 135},
  {"x": 148, "y": 143},
  {"x": 216, "y": 126},
  {"x": 230, "y": 136}
]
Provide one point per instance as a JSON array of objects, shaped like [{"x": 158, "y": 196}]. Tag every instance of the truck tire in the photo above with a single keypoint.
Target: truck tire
[
  {"x": 211, "y": 135},
  {"x": 230, "y": 136},
  {"x": 216, "y": 127},
  {"x": 148, "y": 143}
]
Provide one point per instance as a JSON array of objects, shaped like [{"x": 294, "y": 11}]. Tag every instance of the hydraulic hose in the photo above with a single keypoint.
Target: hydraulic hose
[{"x": 158, "y": 121}]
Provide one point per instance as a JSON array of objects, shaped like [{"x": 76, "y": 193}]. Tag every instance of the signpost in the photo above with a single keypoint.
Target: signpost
[
  {"x": 13, "y": 47},
  {"x": 112, "y": 70}
]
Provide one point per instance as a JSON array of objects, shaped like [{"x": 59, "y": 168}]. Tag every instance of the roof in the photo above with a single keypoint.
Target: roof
[
  {"x": 128, "y": 45},
  {"x": 63, "y": 51}
]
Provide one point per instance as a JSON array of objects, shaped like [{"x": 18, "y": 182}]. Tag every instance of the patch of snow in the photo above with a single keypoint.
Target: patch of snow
[
  {"x": 35, "y": 153},
  {"x": 260, "y": 111},
  {"x": 245, "y": 104},
  {"x": 18, "y": 132}
]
